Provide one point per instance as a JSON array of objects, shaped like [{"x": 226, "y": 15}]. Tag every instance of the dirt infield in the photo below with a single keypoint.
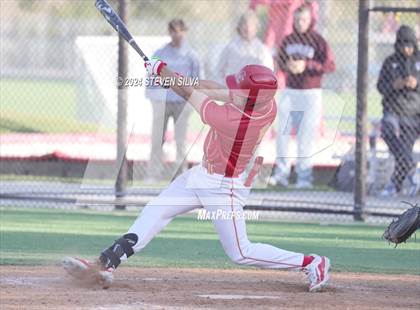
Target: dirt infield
[{"x": 44, "y": 287}]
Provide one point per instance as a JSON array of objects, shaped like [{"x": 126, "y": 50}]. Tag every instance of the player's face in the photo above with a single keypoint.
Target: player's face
[
  {"x": 248, "y": 30},
  {"x": 177, "y": 36},
  {"x": 303, "y": 21},
  {"x": 408, "y": 50}
]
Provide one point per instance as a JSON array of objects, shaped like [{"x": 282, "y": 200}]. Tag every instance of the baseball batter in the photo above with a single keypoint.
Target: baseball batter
[{"x": 218, "y": 183}]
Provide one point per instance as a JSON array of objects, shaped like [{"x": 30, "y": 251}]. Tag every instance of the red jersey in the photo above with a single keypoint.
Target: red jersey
[{"x": 234, "y": 134}]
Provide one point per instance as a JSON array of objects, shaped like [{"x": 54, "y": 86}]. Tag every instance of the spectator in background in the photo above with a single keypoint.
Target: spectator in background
[
  {"x": 166, "y": 103},
  {"x": 280, "y": 23},
  {"x": 305, "y": 57},
  {"x": 391, "y": 22},
  {"x": 400, "y": 127},
  {"x": 244, "y": 49}
]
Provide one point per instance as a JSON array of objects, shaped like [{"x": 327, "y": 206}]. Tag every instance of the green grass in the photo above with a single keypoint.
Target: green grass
[
  {"x": 40, "y": 106},
  {"x": 50, "y": 106},
  {"x": 41, "y": 236},
  {"x": 344, "y": 104}
]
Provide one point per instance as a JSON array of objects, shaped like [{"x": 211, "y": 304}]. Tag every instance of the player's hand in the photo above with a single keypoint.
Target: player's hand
[
  {"x": 291, "y": 66},
  {"x": 411, "y": 82},
  {"x": 296, "y": 66},
  {"x": 300, "y": 66},
  {"x": 399, "y": 83},
  {"x": 154, "y": 66}
]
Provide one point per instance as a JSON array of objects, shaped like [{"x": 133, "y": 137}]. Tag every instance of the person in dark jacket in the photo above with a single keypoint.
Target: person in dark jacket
[
  {"x": 305, "y": 57},
  {"x": 400, "y": 126}
]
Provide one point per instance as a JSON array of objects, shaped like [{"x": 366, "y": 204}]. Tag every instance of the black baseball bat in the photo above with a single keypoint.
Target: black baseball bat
[{"x": 108, "y": 12}]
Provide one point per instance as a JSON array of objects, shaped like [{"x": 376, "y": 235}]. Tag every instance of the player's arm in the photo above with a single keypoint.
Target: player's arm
[
  {"x": 194, "y": 97},
  {"x": 326, "y": 63},
  {"x": 282, "y": 58},
  {"x": 213, "y": 90},
  {"x": 390, "y": 80},
  {"x": 189, "y": 93}
]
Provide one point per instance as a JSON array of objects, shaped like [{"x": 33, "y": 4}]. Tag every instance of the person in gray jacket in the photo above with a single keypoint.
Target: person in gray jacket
[
  {"x": 166, "y": 103},
  {"x": 400, "y": 126}
]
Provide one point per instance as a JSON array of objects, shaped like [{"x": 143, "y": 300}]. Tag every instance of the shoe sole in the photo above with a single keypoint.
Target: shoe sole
[
  {"x": 75, "y": 267},
  {"x": 323, "y": 283},
  {"x": 85, "y": 272}
]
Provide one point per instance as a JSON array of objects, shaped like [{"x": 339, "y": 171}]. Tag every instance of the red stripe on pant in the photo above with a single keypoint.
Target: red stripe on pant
[{"x": 237, "y": 239}]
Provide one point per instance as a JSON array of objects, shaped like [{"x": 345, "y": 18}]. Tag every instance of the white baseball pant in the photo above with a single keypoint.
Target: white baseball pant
[
  {"x": 196, "y": 188},
  {"x": 301, "y": 108}
]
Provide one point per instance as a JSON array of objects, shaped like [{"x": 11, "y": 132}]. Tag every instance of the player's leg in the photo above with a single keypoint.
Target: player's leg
[
  {"x": 174, "y": 200},
  {"x": 390, "y": 132},
  {"x": 414, "y": 177},
  {"x": 231, "y": 229},
  {"x": 284, "y": 127},
  {"x": 159, "y": 212},
  {"x": 182, "y": 113},
  {"x": 408, "y": 138},
  {"x": 311, "y": 104},
  {"x": 160, "y": 118}
]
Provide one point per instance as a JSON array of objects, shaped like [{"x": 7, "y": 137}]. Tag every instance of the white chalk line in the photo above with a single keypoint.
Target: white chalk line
[{"x": 228, "y": 297}]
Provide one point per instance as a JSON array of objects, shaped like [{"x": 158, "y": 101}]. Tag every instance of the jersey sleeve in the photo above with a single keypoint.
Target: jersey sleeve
[{"x": 214, "y": 115}]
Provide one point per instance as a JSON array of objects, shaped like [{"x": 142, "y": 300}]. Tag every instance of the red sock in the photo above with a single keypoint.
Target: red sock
[{"x": 307, "y": 260}]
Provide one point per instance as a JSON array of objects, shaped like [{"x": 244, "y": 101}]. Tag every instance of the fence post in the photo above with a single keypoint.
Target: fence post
[
  {"x": 121, "y": 183},
  {"x": 361, "y": 114}
]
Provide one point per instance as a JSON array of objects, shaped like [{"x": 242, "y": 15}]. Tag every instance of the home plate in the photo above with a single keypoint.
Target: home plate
[{"x": 239, "y": 297}]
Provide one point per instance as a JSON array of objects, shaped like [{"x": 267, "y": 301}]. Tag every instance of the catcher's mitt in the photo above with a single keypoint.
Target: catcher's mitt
[{"x": 400, "y": 229}]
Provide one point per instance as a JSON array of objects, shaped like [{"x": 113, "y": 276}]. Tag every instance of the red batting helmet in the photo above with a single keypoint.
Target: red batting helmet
[{"x": 255, "y": 82}]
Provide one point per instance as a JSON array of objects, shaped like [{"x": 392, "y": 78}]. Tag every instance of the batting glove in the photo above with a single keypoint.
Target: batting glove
[{"x": 154, "y": 66}]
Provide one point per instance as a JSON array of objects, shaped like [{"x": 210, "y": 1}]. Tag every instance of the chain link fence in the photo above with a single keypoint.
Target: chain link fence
[{"x": 59, "y": 89}]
